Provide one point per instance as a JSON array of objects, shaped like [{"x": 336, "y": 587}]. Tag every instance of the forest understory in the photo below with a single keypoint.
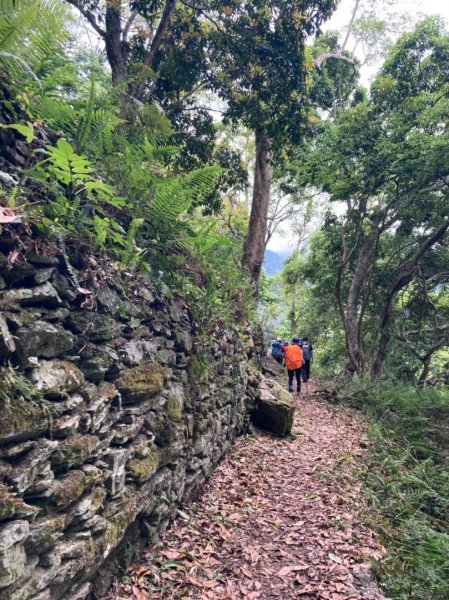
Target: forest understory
[{"x": 279, "y": 518}]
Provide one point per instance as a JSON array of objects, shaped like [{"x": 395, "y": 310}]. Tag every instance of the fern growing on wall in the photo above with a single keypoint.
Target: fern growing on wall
[{"x": 31, "y": 31}]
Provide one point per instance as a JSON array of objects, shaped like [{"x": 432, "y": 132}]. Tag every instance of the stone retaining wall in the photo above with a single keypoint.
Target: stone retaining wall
[{"x": 112, "y": 414}]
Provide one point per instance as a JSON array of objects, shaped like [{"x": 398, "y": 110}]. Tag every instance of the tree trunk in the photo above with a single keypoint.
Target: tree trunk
[
  {"x": 425, "y": 370},
  {"x": 293, "y": 320},
  {"x": 406, "y": 273},
  {"x": 354, "y": 313},
  {"x": 254, "y": 246},
  {"x": 115, "y": 49}
]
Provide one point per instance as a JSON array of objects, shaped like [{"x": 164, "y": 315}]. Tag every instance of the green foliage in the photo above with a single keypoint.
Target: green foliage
[
  {"x": 407, "y": 485},
  {"x": 263, "y": 74},
  {"x": 37, "y": 21},
  {"x": 26, "y": 130},
  {"x": 79, "y": 199}
]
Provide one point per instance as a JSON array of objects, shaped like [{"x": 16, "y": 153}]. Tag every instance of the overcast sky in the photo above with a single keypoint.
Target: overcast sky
[{"x": 339, "y": 20}]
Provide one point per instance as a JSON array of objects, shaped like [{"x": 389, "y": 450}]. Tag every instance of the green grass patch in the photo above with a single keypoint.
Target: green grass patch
[{"x": 406, "y": 482}]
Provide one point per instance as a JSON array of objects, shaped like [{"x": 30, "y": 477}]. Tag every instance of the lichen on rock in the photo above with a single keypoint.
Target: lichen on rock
[{"x": 141, "y": 382}]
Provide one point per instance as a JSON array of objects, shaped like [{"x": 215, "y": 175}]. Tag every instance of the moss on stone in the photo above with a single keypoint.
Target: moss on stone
[
  {"x": 22, "y": 420},
  {"x": 23, "y": 411},
  {"x": 139, "y": 383},
  {"x": 12, "y": 506},
  {"x": 142, "y": 469},
  {"x": 69, "y": 488},
  {"x": 173, "y": 408},
  {"x": 165, "y": 431},
  {"x": 74, "y": 451}
]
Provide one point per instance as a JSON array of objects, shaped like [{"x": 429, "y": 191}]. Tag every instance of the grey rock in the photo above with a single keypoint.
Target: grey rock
[
  {"x": 124, "y": 433},
  {"x": 132, "y": 310},
  {"x": 184, "y": 342},
  {"x": 275, "y": 409},
  {"x": 8, "y": 179},
  {"x": 43, "y": 275},
  {"x": 16, "y": 449},
  {"x": 79, "y": 592},
  {"x": 44, "y": 534},
  {"x": 42, "y": 260},
  {"x": 136, "y": 351},
  {"x": 35, "y": 463},
  {"x": 74, "y": 451},
  {"x": 177, "y": 311},
  {"x": 45, "y": 340},
  {"x": 16, "y": 273},
  {"x": 100, "y": 405},
  {"x": 66, "y": 426},
  {"x": 64, "y": 287},
  {"x": 103, "y": 360},
  {"x": 110, "y": 301},
  {"x": 7, "y": 346},
  {"x": 12, "y": 506},
  {"x": 74, "y": 402},
  {"x": 87, "y": 507},
  {"x": 12, "y": 551},
  {"x": 166, "y": 357},
  {"x": 116, "y": 460},
  {"x": 41, "y": 295},
  {"x": 96, "y": 326},
  {"x": 56, "y": 377}
]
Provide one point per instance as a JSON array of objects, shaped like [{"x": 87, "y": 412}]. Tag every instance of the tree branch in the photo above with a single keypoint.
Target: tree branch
[
  {"x": 163, "y": 24},
  {"x": 128, "y": 24},
  {"x": 333, "y": 56},
  {"x": 89, "y": 16}
]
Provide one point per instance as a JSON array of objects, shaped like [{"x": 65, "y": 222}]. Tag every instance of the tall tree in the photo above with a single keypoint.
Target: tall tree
[
  {"x": 132, "y": 33},
  {"x": 261, "y": 69},
  {"x": 384, "y": 159}
]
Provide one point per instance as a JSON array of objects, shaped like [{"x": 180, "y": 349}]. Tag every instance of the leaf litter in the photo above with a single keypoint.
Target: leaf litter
[{"x": 278, "y": 519}]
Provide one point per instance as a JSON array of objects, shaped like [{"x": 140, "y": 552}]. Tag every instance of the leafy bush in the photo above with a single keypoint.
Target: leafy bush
[{"x": 407, "y": 485}]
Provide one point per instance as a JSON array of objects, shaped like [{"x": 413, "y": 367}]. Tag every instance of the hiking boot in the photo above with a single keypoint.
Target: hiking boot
[{"x": 290, "y": 389}]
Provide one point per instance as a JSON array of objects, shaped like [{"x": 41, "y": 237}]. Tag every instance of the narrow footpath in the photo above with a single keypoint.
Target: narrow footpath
[{"x": 279, "y": 519}]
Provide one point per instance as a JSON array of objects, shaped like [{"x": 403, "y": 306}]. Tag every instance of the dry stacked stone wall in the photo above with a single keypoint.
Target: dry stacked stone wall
[{"x": 113, "y": 412}]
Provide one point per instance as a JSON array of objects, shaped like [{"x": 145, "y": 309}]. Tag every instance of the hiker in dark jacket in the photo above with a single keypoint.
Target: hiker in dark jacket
[
  {"x": 276, "y": 351},
  {"x": 307, "y": 356}
]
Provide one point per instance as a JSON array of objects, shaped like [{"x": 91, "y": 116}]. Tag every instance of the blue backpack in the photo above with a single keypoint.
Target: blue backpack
[
  {"x": 306, "y": 351},
  {"x": 277, "y": 352}
]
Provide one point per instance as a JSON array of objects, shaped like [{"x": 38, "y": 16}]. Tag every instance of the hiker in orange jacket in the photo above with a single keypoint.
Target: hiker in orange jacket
[{"x": 293, "y": 361}]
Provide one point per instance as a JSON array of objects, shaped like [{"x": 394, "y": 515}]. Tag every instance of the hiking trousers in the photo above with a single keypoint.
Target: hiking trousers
[
  {"x": 294, "y": 373},
  {"x": 306, "y": 370}
]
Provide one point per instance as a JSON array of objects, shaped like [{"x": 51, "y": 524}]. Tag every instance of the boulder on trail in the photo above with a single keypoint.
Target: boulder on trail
[
  {"x": 275, "y": 408},
  {"x": 271, "y": 367}
]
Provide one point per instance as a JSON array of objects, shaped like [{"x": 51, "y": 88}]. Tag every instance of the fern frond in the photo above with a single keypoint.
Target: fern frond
[
  {"x": 174, "y": 196},
  {"x": 86, "y": 119},
  {"x": 30, "y": 32}
]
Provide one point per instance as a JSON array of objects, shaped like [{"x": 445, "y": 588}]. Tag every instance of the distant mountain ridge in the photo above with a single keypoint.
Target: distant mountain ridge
[{"x": 273, "y": 262}]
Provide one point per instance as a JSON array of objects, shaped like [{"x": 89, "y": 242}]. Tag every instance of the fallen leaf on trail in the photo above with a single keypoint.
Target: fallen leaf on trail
[
  {"x": 86, "y": 292},
  {"x": 141, "y": 570},
  {"x": 7, "y": 215},
  {"x": 290, "y": 569},
  {"x": 235, "y": 517},
  {"x": 183, "y": 515},
  {"x": 335, "y": 558},
  {"x": 263, "y": 528},
  {"x": 138, "y": 594}
]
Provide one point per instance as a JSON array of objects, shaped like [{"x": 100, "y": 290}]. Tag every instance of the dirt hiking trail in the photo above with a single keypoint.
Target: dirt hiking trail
[{"x": 279, "y": 519}]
